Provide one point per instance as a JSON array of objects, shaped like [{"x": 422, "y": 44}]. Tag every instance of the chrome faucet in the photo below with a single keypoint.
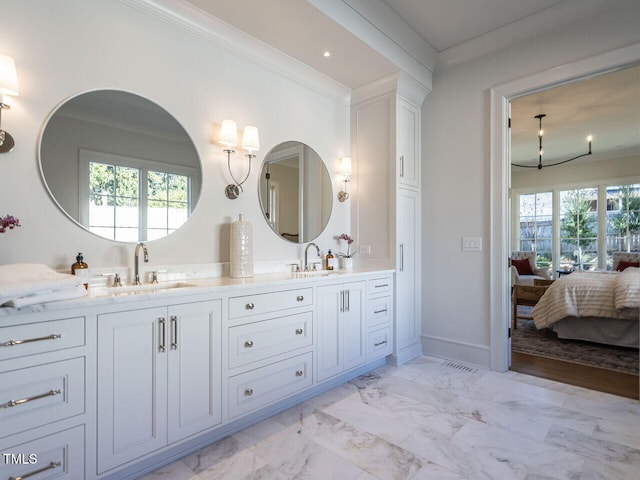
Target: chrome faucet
[
  {"x": 306, "y": 251},
  {"x": 136, "y": 278}
]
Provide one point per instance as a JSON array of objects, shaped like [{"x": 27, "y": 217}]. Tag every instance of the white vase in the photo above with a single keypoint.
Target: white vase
[
  {"x": 346, "y": 263},
  {"x": 241, "y": 258}
]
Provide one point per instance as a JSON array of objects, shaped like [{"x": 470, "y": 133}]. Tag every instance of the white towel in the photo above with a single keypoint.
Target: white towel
[
  {"x": 21, "y": 279},
  {"x": 67, "y": 293}
]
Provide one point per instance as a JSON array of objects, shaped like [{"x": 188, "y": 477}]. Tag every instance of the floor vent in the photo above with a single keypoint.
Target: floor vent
[{"x": 459, "y": 366}]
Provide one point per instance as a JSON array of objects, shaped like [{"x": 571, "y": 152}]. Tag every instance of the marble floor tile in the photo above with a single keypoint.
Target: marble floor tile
[{"x": 431, "y": 420}]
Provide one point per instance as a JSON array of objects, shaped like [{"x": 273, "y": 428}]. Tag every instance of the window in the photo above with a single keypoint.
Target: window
[
  {"x": 623, "y": 220},
  {"x": 535, "y": 226},
  {"x": 579, "y": 228},
  {"x": 130, "y": 199}
]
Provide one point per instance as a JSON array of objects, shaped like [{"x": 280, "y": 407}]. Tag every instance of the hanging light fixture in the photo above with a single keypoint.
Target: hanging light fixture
[{"x": 540, "y": 152}]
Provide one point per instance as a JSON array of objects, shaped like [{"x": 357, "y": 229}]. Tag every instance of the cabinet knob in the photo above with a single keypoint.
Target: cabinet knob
[
  {"x": 250, "y": 306},
  {"x": 248, "y": 392},
  {"x": 299, "y": 373},
  {"x": 248, "y": 344},
  {"x": 299, "y": 331},
  {"x": 300, "y": 298}
]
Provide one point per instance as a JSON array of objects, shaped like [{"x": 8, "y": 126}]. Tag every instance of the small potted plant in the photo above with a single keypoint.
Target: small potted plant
[
  {"x": 8, "y": 222},
  {"x": 346, "y": 259}
]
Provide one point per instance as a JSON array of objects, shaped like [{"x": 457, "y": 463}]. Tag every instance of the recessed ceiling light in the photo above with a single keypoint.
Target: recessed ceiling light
[{"x": 327, "y": 53}]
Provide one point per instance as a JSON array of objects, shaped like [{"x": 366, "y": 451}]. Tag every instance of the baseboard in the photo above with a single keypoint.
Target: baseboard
[
  {"x": 469, "y": 353},
  {"x": 404, "y": 355}
]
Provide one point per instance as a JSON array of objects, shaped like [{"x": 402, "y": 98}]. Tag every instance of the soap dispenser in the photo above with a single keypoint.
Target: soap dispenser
[{"x": 81, "y": 269}]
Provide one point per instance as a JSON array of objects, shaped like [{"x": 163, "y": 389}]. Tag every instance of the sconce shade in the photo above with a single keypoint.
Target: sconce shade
[
  {"x": 228, "y": 133},
  {"x": 251, "y": 139},
  {"x": 345, "y": 166},
  {"x": 8, "y": 77}
]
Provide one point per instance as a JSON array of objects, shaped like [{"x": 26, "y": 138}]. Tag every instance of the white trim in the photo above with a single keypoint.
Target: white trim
[
  {"x": 466, "y": 352},
  {"x": 500, "y": 173}
]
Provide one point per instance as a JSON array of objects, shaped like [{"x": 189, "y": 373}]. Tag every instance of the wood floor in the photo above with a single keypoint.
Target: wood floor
[{"x": 623, "y": 384}]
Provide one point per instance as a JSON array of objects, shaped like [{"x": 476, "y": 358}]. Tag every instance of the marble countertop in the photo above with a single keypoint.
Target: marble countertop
[{"x": 222, "y": 285}]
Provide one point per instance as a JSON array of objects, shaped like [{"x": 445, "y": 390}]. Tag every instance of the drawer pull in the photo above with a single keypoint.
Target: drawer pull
[
  {"x": 299, "y": 373},
  {"x": 163, "y": 335},
  {"x": 300, "y": 298},
  {"x": 36, "y": 472},
  {"x": 382, "y": 286},
  {"x": 250, "y": 306},
  {"x": 248, "y": 344},
  {"x": 248, "y": 392},
  {"x": 299, "y": 331},
  {"x": 13, "y": 403},
  {"x": 380, "y": 311},
  {"x": 11, "y": 343},
  {"x": 379, "y": 343}
]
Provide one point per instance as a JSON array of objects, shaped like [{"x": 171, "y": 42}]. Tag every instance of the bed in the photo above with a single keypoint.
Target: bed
[{"x": 602, "y": 307}]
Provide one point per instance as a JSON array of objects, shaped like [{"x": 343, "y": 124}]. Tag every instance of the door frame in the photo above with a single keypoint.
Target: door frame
[{"x": 500, "y": 180}]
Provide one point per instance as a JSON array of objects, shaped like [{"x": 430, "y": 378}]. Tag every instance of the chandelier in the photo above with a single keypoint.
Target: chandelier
[{"x": 540, "y": 165}]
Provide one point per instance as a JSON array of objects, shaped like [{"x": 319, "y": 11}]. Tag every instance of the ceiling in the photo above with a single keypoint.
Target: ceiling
[{"x": 450, "y": 31}]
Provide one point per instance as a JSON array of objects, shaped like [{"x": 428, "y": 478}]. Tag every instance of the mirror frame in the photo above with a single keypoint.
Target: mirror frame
[{"x": 195, "y": 190}]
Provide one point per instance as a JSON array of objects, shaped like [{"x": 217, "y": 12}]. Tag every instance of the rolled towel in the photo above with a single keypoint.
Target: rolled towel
[
  {"x": 67, "y": 293},
  {"x": 21, "y": 279}
]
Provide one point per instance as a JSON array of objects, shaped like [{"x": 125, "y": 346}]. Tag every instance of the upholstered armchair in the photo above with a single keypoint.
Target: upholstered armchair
[
  {"x": 523, "y": 269},
  {"x": 622, "y": 260}
]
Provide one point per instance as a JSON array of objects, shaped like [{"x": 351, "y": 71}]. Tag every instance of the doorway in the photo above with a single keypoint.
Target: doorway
[{"x": 502, "y": 210}]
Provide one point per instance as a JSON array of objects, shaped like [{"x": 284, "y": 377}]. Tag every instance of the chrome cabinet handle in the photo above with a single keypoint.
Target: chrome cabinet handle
[
  {"x": 11, "y": 343},
  {"x": 174, "y": 332},
  {"x": 163, "y": 334},
  {"x": 341, "y": 300},
  {"x": 35, "y": 472},
  {"x": 379, "y": 343},
  {"x": 248, "y": 344},
  {"x": 299, "y": 298},
  {"x": 402, "y": 257},
  {"x": 13, "y": 403},
  {"x": 299, "y": 331},
  {"x": 299, "y": 373},
  {"x": 249, "y": 306},
  {"x": 380, "y": 311},
  {"x": 401, "y": 166},
  {"x": 248, "y": 392},
  {"x": 348, "y": 307},
  {"x": 381, "y": 286}
]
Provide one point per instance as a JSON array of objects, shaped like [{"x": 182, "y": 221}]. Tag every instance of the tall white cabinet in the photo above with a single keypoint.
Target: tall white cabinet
[{"x": 385, "y": 131}]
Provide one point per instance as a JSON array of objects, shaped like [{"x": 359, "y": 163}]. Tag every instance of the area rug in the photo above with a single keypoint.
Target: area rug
[{"x": 526, "y": 339}]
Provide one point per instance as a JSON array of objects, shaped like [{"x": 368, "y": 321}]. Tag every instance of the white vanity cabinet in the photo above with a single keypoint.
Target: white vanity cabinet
[
  {"x": 341, "y": 328},
  {"x": 379, "y": 317},
  {"x": 159, "y": 377},
  {"x": 407, "y": 143}
]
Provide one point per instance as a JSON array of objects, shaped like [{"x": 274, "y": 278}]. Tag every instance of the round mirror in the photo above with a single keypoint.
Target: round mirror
[
  {"x": 120, "y": 166},
  {"x": 295, "y": 192}
]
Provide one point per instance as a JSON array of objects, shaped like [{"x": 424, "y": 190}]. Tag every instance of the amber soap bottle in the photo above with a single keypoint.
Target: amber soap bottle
[{"x": 81, "y": 269}]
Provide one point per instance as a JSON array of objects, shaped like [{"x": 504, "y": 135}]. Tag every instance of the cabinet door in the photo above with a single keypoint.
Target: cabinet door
[
  {"x": 408, "y": 144},
  {"x": 353, "y": 325},
  {"x": 132, "y": 376},
  {"x": 329, "y": 333},
  {"x": 195, "y": 368},
  {"x": 408, "y": 267}
]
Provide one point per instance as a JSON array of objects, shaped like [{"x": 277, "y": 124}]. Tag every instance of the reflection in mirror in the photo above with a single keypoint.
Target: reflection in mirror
[
  {"x": 120, "y": 166},
  {"x": 295, "y": 192}
]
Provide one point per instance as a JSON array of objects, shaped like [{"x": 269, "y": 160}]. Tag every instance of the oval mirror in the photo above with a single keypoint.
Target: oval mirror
[
  {"x": 120, "y": 166},
  {"x": 295, "y": 192}
]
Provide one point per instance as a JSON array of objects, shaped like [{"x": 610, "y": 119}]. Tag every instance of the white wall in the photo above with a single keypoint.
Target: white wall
[
  {"x": 456, "y": 174},
  {"x": 65, "y": 47}
]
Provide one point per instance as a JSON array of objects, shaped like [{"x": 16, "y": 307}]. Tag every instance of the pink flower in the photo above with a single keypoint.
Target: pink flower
[
  {"x": 349, "y": 241},
  {"x": 8, "y": 222}
]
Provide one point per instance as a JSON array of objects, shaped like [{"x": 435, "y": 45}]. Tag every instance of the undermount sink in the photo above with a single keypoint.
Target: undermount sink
[
  {"x": 315, "y": 273},
  {"x": 144, "y": 288}
]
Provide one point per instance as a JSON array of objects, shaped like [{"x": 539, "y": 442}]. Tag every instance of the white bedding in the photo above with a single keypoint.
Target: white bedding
[{"x": 590, "y": 294}]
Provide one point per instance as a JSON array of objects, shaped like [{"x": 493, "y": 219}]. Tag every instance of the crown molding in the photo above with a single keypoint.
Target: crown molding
[{"x": 194, "y": 21}]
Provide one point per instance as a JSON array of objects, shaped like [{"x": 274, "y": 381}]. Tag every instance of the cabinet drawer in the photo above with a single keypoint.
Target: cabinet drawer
[
  {"x": 20, "y": 340},
  {"x": 59, "y": 456},
  {"x": 269, "y": 302},
  {"x": 379, "y": 343},
  {"x": 380, "y": 311},
  {"x": 34, "y": 396},
  {"x": 260, "y": 340},
  {"x": 258, "y": 388},
  {"x": 379, "y": 285}
]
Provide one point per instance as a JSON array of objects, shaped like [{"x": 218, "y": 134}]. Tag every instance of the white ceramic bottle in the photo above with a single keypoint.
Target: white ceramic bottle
[{"x": 241, "y": 258}]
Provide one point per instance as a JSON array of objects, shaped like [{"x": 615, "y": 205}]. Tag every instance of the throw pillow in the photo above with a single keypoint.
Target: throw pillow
[
  {"x": 523, "y": 266},
  {"x": 622, "y": 265}
]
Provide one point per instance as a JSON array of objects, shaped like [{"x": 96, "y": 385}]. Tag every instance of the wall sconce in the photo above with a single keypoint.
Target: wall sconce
[
  {"x": 250, "y": 142},
  {"x": 8, "y": 86},
  {"x": 345, "y": 171}
]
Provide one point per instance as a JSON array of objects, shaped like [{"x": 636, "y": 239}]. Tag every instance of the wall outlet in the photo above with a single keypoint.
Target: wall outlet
[
  {"x": 365, "y": 249},
  {"x": 471, "y": 244}
]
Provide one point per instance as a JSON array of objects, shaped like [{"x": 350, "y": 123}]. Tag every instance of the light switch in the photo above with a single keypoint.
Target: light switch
[{"x": 471, "y": 244}]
